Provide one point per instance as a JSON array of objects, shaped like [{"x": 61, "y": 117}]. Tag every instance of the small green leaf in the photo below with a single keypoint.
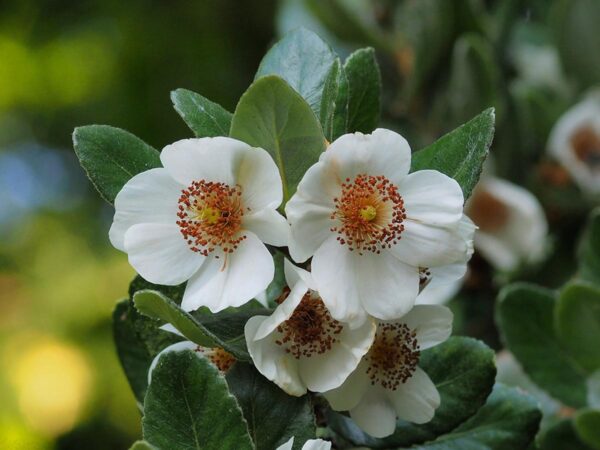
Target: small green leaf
[
  {"x": 188, "y": 406},
  {"x": 364, "y": 90},
  {"x": 275, "y": 288},
  {"x": 225, "y": 329},
  {"x": 577, "y": 319},
  {"x": 271, "y": 115},
  {"x": 526, "y": 321},
  {"x": 461, "y": 153},
  {"x": 205, "y": 118},
  {"x": 142, "y": 445},
  {"x": 272, "y": 415},
  {"x": 334, "y": 104},
  {"x": 589, "y": 250},
  {"x": 302, "y": 59},
  {"x": 587, "y": 427},
  {"x": 111, "y": 157},
  {"x": 560, "y": 436},
  {"x": 138, "y": 340},
  {"x": 175, "y": 293},
  {"x": 508, "y": 421},
  {"x": 463, "y": 370}
]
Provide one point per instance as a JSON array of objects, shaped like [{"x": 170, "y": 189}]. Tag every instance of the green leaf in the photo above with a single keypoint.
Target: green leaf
[
  {"x": 589, "y": 250},
  {"x": 225, "y": 329},
  {"x": 462, "y": 369},
  {"x": 587, "y": 427},
  {"x": 111, "y": 157},
  {"x": 302, "y": 59},
  {"x": 188, "y": 406},
  {"x": 138, "y": 340},
  {"x": 508, "y": 421},
  {"x": 271, "y": 115},
  {"x": 175, "y": 293},
  {"x": 272, "y": 415},
  {"x": 205, "y": 118},
  {"x": 560, "y": 436},
  {"x": 461, "y": 153},
  {"x": 525, "y": 318},
  {"x": 142, "y": 445},
  {"x": 275, "y": 288},
  {"x": 334, "y": 104},
  {"x": 577, "y": 319},
  {"x": 364, "y": 90}
]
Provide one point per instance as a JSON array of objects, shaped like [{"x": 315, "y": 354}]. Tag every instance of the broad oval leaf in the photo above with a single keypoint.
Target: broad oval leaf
[
  {"x": 525, "y": 317},
  {"x": 508, "y": 421},
  {"x": 111, "y": 156},
  {"x": 587, "y": 427},
  {"x": 364, "y": 91},
  {"x": 463, "y": 370},
  {"x": 578, "y": 323},
  {"x": 560, "y": 436},
  {"x": 302, "y": 59},
  {"x": 188, "y": 406},
  {"x": 461, "y": 153},
  {"x": 273, "y": 116},
  {"x": 203, "y": 117},
  {"x": 589, "y": 250},
  {"x": 272, "y": 415}
]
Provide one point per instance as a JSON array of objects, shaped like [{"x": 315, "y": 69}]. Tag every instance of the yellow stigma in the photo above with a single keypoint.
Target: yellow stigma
[
  {"x": 209, "y": 215},
  {"x": 368, "y": 212}
]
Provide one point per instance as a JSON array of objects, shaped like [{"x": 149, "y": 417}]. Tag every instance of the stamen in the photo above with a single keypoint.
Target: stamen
[
  {"x": 394, "y": 355},
  {"x": 210, "y": 216},
  {"x": 310, "y": 330},
  {"x": 222, "y": 359},
  {"x": 370, "y": 211},
  {"x": 586, "y": 146}
]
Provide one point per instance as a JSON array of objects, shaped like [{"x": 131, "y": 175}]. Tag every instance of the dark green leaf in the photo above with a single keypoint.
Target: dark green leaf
[
  {"x": 461, "y": 153},
  {"x": 463, "y": 370},
  {"x": 175, "y": 293},
  {"x": 525, "y": 317},
  {"x": 589, "y": 250},
  {"x": 302, "y": 59},
  {"x": 334, "y": 104},
  {"x": 138, "y": 340},
  {"x": 577, "y": 319},
  {"x": 364, "y": 91},
  {"x": 272, "y": 415},
  {"x": 188, "y": 406},
  {"x": 560, "y": 436},
  {"x": 271, "y": 115},
  {"x": 225, "y": 330},
  {"x": 587, "y": 426},
  {"x": 205, "y": 118},
  {"x": 111, "y": 157},
  {"x": 275, "y": 288},
  {"x": 508, "y": 421}
]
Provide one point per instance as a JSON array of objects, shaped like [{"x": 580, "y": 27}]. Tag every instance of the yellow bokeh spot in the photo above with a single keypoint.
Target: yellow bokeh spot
[
  {"x": 16, "y": 436},
  {"x": 368, "y": 212},
  {"x": 53, "y": 382}
]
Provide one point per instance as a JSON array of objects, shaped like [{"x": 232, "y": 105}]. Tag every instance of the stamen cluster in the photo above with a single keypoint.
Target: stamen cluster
[
  {"x": 222, "y": 359},
  {"x": 370, "y": 211},
  {"x": 394, "y": 355},
  {"x": 210, "y": 216},
  {"x": 310, "y": 330}
]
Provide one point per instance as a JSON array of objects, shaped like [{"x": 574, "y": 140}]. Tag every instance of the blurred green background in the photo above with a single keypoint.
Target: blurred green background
[{"x": 66, "y": 63}]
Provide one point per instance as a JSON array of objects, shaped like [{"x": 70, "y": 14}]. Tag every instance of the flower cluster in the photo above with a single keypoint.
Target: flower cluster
[{"x": 369, "y": 235}]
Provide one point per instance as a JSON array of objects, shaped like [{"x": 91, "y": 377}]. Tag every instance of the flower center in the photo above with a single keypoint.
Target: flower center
[
  {"x": 222, "y": 359},
  {"x": 210, "y": 216},
  {"x": 370, "y": 211},
  {"x": 310, "y": 329},
  {"x": 394, "y": 355},
  {"x": 586, "y": 146},
  {"x": 487, "y": 211}
]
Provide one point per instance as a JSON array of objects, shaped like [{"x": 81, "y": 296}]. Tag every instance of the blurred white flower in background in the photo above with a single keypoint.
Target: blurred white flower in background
[{"x": 575, "y": 143}]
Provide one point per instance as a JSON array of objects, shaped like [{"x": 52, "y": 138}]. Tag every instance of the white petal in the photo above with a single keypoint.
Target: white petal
[
  {"x": 272, "y": 360},
  {"x": 260, "y": 180},
  {"x": 170, "y": 329},
  {"x": 160, "y": 254},
  {"x": 294, "y": 274},
  {"x": 288, "y": 445},
  {"x": 383, "y": 152},
  {"x": 177, "y": 347},
  {"x": 423, "y": 245},
  {"x": 432, "y": 323},
  {"x": 231, "y": 281},
  {"x": 431, "y": 197},
  {"x": 270, "y": 226},
  {"x": 417, "y": 399},
  {"x": 329, "y": 370},
  {"x": 350, "y": 393},
  {"x": 375, "y": 413},
  {"x": 282, "y": 313},
  {"x": 148, "y": 197},
  {"x": 316, "y": 444},
  {"x": 438, "y": 293}
]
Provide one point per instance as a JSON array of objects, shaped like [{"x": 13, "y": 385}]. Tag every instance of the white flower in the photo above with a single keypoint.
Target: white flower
[
  {"x": 388, "y": 383},
  {"x": 511, "y": 221},
  {"x": 311, "y": 444},
  {"x": 300, "y": 346},
  {"x": 575, "y": 143},
  {"x": 371, "y": 226},
  {"x": 203, "y": 218}
]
